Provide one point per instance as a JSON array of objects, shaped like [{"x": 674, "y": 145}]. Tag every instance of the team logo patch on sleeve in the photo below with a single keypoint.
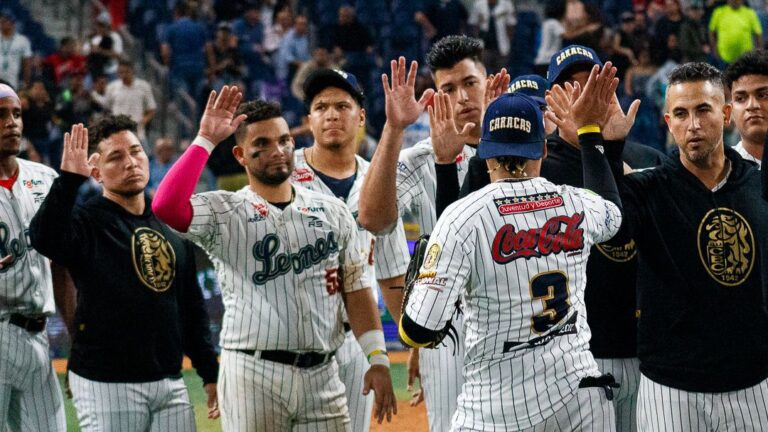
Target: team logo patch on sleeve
[
  {"x": 726, "y": 246},
  {"x": 153, "y": 259},
  {"x": 431, "y": 258},
  {"x": 529, "y": 203},
  {"x": 302, "y": 175}
]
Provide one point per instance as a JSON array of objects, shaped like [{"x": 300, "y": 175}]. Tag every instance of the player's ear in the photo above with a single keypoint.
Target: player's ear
[
  {"x": 362, "y": 116},
  {"x": 727, "y": 110},
  {"x": 93, "y": 162},
  {"x": 239, "y": 154}
]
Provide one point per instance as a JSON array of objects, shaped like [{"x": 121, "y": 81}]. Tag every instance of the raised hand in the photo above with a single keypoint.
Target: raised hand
[
  {"x": 447, "y": 140},
  {"x": 378, "y": 379},
  {"x": 558, "y": 112},
  {"x": 219, "y": 120},
  {"x": 401, "y": 106},
  {"x": 591, "y": 106},
  {"x": 616, "y": 125},
  {"x": 74, "y": 158},
  {"x": 495, "y": 86}
]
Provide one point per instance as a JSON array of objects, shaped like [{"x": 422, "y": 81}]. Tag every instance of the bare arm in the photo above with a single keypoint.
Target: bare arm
[
  {"x": 165, "y": 53},
  {"x": 147, "y": 116},
  {"x": 65, "y": 295},
  {"x": 378, "y": 197},
  {"x": 392, "y": 292},
  {"x": 362, "y": 311}
]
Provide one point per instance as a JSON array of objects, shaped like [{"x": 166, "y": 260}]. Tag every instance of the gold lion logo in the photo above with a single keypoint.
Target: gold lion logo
[
  {"x": 618, "y": 253},
  {"x": 153, "y": 259},
  {"x": 726, "y": 246},
  {"x": 432, "y": 254}
]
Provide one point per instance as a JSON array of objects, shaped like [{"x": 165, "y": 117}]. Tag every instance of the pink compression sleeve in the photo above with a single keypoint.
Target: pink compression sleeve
[{"x": 171, "y": 204}]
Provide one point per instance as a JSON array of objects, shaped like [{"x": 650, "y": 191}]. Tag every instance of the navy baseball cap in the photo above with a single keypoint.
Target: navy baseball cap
[
  {"x": 512, "y": 126},
  {"x": 321, "y": 79},
  {"x": 531, "y": 85},
  {"x": 573, "y": 57}
]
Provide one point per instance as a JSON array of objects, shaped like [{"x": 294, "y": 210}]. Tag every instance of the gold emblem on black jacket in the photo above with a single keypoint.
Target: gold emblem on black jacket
[
  {"x": 153, "y": 259},
  {"x": 726, "y": 246}
]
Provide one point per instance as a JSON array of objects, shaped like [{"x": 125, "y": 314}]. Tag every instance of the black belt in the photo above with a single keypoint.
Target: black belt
[
  {"x": 300, "y": 360},
  {"x": 347, "y": 327},
  {"x": 606, "y": 382},
  {"x": 30, "y": 324}
]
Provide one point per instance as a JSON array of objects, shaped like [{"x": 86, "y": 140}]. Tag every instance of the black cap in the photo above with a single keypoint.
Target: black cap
[{"x": 321, "y": 79}]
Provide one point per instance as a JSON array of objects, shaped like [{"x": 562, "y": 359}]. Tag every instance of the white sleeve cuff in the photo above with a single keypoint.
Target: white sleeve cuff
[{"x": 204, "y": 143}]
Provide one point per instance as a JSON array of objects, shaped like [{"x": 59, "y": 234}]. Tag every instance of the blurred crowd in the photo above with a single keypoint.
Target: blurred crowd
[{"x": 268, "y": 48}]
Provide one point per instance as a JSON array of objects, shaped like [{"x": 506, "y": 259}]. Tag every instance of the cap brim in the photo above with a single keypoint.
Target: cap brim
[
  {"x": 491, "y": 149},
  {"x": 324, "y": 78}
]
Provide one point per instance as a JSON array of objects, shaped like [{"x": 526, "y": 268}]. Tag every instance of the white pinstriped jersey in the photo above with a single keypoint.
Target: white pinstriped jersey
[
  {"x": 417, "y": 181},
  {"x": 517, "y": 253},
  {"x": 390, "y": 254},
  {"x": 280, "y": 270},
  {"x": 25, "y": 283}
]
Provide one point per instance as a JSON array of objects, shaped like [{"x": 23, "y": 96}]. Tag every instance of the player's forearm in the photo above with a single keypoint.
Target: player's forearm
[
  {"x": 597, "y": 173},
  {"x": 50, "y": 228},
  {"x": 477, "y": 177},
  {"x": 65, "y": 295},
  {"x": 171, "y": 203},
  {"x": 392, "y": 292},
  {"x": 378, "y": 196},
  {"x": 362, "y": 311}
]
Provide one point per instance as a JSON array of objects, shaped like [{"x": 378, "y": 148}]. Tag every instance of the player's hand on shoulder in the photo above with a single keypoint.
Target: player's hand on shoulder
[
  {"x": 447, "y": 140},
  {"x": 385, "y": 404},
  {"x": 219, "y": 121},
  {"x": 74, "y": 158},
  {"x": 401, "y": 106}
]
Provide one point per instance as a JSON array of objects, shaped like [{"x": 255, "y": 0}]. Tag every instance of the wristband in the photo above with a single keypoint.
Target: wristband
[
  {"x": 379, "y": 359},
  {"x": 204, "y": 143},
  {"x": 372, "y": 343},
  {"x": 591, "y": 128}
]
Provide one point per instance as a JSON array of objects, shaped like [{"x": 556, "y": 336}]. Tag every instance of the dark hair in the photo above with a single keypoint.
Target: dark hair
[
  {"x": 554, "y": 9},
  {"x": 107, "y": 126},
  {"x": 696, "y": 71},
  {"x": 66, "y": 40},
  {"x": 752, "y": 63},
  {"x": 512, "y": 163},
  {"x": 256, "y": 111},
  {"x": 452, "y": 49}
]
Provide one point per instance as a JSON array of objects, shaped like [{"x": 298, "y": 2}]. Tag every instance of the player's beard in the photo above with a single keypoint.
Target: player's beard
[
  {"x": 702, "y": 155},
  {"x": 276, "y": 177}
]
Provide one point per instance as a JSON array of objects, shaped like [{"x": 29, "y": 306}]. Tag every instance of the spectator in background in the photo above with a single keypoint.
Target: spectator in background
[
  {"x": 353, "y": 47},
  {"x": 440, "y": 18},
  {"x": 249, "y": 32},
  {"x": 321, "y": 59},
  {"x": 648, "y": 127},
  {"x": 15, "y": 53},
  {"x": 734, "y": 29},
  {"x": 667, "y": 25},
  {"x": 276, "y": 32},
  {"x": 694, "y": 44},
  {"x": 404, "y": 33},
  {"x": 164, "y": 158},
  {"x": 75, "y": 104},
  {"x": 585, "y": 27},
  {"x": 183, "y": 51},
  {"x": 133, "y": 97},
  {"x": 494, "y": 23},
  {"x": 294, "y": 50},
  {"x": 419, "y": 130},
  {"x": 224, "y": 65},
  {"x": 99, "y": 90},
  {"x": 623, "y": 46},
  {"x": 37, "y": 114},
  {"x": 65, "y": 62},
  {"x": 552, "y": 31},
  {"x": 104, "y": 48}
]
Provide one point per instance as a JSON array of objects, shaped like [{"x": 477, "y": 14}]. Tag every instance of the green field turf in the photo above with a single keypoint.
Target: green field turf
[{"x": 198, "y": 399}]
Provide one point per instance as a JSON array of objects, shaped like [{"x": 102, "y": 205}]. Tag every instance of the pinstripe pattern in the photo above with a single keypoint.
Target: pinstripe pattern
[
  {"x": 30, "y": 397},
  {"x": 661, "y": 408},
  {"x": 627, "y": 374},
  {"x": 258, "y": 395},
  {"x": 132, "y": 407},
  {"x": 441, "y": 370},
  {"x": 588, "y": 410},
  {"x": 514, "y": 387},
  {"x": 390, "y": 259}
]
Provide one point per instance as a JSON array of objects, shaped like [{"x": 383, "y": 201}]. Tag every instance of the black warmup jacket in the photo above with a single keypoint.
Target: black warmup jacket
[
  {"x": 612, "y": 267},
  {"x": 702, "y": 298},
  {"x": 139, "y": 307}
]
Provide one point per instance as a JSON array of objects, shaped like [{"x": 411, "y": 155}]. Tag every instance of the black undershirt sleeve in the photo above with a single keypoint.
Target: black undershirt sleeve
[
  {"x": 447, "y": 179},
  {"x": 764, "y": 172},
  {"x": 477, "y": 176},
  {"x": 598, "y": 173}
]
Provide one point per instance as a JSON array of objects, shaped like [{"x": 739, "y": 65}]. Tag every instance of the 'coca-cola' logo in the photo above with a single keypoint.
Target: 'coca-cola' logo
[{"x": 510, "y": 244}]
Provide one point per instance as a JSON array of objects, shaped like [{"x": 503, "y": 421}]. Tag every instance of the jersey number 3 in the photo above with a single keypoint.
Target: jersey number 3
[{"x": 552, "y": 289}]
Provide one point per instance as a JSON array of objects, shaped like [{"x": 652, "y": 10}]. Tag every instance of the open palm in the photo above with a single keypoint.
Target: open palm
[
  {"x": 401, "y": 106},
  {"x": 218, "y": 121}
]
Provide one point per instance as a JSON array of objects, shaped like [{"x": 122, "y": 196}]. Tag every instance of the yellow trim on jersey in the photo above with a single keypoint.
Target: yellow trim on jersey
[
  {"x": 592, "y": 128},
  {"x": 408, "y": 341}
]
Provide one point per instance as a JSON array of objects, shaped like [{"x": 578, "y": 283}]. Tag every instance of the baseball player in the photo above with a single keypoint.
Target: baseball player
[
  {"x": 289, "y": 265},
  {"x": 334, "y": 101},
  {"x": 699, "y": 221},
  {"x": 393, "y": 186},
  {"x": 139, "y": 306},
  {"x": 30, "y": 397},
  {"x": 517, "y": 252},
  {"x": 747, "y": 77}
]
